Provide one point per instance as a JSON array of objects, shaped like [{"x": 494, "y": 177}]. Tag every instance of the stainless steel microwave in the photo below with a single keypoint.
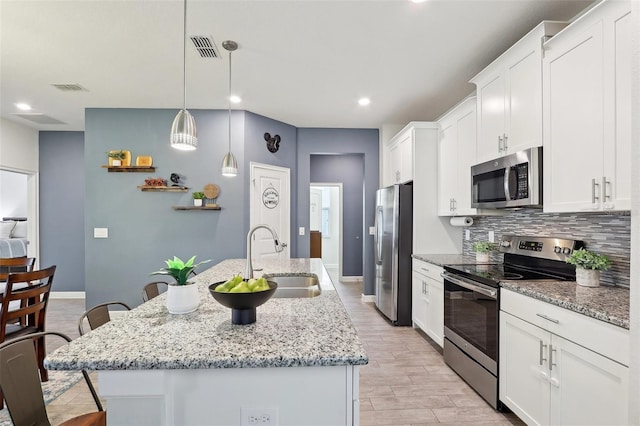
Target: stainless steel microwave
[{"x": 514, "y": 180}]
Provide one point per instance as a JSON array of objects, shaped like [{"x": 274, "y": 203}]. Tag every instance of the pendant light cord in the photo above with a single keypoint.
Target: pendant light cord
[
  {"x": 229, "y": 101},
  {"x": 184, "y": 55}
]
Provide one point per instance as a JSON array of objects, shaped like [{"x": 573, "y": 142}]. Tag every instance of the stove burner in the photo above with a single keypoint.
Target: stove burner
[{"x": 512, "y": 276}]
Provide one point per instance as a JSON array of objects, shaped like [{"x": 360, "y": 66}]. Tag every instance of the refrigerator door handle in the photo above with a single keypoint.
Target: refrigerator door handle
[{"x": 377, "y": 237}]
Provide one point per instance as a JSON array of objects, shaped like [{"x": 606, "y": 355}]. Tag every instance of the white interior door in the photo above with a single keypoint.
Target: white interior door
[
  {"x": 270, "y": 204},
  {"x": 328, "y": 217}
]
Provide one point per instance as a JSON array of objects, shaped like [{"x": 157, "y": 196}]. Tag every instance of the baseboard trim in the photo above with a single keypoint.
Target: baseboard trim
[
  {"x": 67, "y": 295},
  {"x": 351, "y": 278},
  {"x": 368, "y": 298}
]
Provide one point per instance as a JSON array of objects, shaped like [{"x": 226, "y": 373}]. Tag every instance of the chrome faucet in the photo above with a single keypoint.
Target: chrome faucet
[{"x": 248, "y": 270}]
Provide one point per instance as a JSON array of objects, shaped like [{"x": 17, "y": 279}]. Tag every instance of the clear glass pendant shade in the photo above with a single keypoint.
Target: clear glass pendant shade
[
  {"x": 229, "y": 165},
  {"x": 184, "y": 135}
]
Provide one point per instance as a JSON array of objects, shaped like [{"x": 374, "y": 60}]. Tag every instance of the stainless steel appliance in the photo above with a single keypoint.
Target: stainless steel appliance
[
  {"x": 393, "y": 247},
  {"x": 472, "y": 303},
  {"x": 514, "y": 180}
]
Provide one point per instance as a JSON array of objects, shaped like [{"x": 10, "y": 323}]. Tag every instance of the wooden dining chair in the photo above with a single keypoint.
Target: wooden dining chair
[
  {"x": 27, "y": 296},
  {"x": 15, "y": 264},
  {"x": 154, "y": 289},
  {"x": 20, "y": 384},
  {"x": 98, "y": 315}
]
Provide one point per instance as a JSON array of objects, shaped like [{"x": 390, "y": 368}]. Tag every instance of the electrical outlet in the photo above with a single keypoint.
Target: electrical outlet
[
  {"x": 467, "y": 235},
  {"x": 492, "y": 237},
  {"x": 301, "y": 230},
  {"x": 258, "y": 416},
  {"x": 100, "y": 232},
  {"x": 372, "y": 230}
]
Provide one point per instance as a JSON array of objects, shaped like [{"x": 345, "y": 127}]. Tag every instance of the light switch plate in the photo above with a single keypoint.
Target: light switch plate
[
  {"x": 301, "y": 230},
  {"x": 100, "y": 232},
  {"x": 372, "y": 230}
]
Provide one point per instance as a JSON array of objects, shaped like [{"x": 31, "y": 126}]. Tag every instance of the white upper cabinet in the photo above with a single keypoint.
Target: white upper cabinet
[
  {"x": 587, "y": 113},
  {"x": 399, "y": 153},
  {"x": 456, "y": 155},
  {"x": 509, "y": 97}
]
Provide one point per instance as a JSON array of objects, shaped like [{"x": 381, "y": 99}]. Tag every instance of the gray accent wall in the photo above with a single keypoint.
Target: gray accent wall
[
  {"x": 608, "y": 234},
  {"x": 62, "y": 187},
  {"x": 313, "y": 141},
  {"x": 349, "y": 170},
  {"x": 143, "y": 228}
]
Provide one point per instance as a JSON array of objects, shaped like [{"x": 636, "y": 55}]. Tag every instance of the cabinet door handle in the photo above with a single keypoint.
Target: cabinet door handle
[
  {"x": 555, "y": 382},
  {"x": 500, "y": 142},
  {"x": 455, "y": 204},
  {"x": 542, "y": 348},
  {"x": 594, "y": 184},
  {"x": 551, "y": 363},
  {"x": 397, "y": 175},
  {"x": 505, "y": 138},
  {"x": 605, "y": 196},
  {"x": 553, "y": 320},
  {"x": 424, "y": 269}
]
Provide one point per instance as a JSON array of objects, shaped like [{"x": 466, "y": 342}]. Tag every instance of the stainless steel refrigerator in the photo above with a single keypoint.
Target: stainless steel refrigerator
[{"x": 393, "y": 246}]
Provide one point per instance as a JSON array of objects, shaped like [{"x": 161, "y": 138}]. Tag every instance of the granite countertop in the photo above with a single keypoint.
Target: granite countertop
[
  {"x": 445, "y": 259},
  {"x": 605, "y": 303},
  {"x": 288, "y": 332}
]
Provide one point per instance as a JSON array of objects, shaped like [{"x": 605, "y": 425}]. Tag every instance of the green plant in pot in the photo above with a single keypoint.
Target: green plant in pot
[
  {"x": 182, "y": 296},
  {"x": 588, "y": 266},
  {"x": 197, "y": 198},
  {"x": 482, "y": 249},
  {"x": 117, "y": 157}
]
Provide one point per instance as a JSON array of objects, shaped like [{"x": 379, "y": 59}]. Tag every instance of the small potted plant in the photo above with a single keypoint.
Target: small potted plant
[
  {"x": 588, "y": 266},
  {"x": 197, "y": 198},
  {"x": 182, "y": 296},
  {"x": 482, "y": 249},
  {"x": 116, "y": 157}
]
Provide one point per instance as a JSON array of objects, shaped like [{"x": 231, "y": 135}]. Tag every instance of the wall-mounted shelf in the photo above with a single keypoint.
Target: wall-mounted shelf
[
  {"x": 147, "y": 188},
  {"x": 196, "y": 208},
  {"x": 134, "y": 169}
]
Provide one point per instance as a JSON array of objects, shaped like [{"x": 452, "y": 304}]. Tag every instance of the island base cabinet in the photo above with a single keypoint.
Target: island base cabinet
[
  {"x": 293, "y": 395},
  {"x": 548, "y": 380}
]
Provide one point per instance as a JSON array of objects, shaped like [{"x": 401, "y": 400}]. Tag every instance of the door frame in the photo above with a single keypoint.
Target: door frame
[
  {"x": 252, "y": 166},
  {"x": 340, "y": 218}
]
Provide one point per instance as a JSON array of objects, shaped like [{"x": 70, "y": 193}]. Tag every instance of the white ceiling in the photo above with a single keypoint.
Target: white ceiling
[{"x": 302, "y": 62}]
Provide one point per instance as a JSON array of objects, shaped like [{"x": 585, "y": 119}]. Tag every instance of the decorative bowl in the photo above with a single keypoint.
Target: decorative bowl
[{"x": 243, "y": 305}]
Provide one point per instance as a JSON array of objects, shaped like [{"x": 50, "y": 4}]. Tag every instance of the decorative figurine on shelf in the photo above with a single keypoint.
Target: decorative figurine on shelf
[
  {"x": 175, "y": 179},
  {"x": 273, "y": 143}
]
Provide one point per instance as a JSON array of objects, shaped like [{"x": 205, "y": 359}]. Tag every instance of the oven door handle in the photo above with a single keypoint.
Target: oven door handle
[{"x": 470, "y": 286}]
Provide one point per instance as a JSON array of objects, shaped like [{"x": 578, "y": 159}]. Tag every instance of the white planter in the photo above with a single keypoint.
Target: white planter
[
  {"x": 587, "y": 277},
  {"x": 482, "y": 257},
  {"x": 197, "y": 202},
  {"x": 116, "y": 163},
  {"x": 182, "y": 299}
]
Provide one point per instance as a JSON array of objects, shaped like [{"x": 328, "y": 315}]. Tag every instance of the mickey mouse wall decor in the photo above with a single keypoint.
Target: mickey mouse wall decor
[{"x": 273, "y": 143}]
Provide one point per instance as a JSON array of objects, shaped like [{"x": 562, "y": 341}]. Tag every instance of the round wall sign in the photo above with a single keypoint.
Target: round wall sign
[{"x": 270, "y": 198}]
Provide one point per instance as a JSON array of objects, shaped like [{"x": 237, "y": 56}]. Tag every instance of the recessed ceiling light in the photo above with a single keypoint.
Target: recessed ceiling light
[
  {"x": 23, "y": 107},
  {"x": 364, "y": 101},
  {"x": 417, "y": 1},
  {"x": 235, "y": 99}
]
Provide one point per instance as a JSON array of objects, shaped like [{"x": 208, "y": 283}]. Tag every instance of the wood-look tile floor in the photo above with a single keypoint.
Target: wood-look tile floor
[{"x": 405, "y": 383}]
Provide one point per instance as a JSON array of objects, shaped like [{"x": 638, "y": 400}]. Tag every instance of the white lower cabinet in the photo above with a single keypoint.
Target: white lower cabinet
[
  {"x": 428, "y": 300},
  {"x": 547, "y": 379}
]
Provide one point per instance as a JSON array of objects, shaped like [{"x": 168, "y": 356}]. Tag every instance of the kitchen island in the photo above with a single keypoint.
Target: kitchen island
[{"x": 297, "y": 364}]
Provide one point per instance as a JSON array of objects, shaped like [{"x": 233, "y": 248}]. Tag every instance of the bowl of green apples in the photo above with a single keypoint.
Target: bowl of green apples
[{"x": 243, "y": 296}]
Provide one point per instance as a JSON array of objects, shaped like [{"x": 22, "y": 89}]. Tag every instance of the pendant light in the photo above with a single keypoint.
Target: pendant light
[
  {"x": 183, "y": 131},
  {"x": 229, "y": 164}
]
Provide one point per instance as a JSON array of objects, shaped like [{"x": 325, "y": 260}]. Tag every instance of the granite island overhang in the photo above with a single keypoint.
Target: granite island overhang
[{"x": 300, "y": 358}]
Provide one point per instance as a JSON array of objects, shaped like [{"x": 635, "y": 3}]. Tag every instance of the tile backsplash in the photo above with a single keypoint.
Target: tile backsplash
[{"x": 608, "y": 234}]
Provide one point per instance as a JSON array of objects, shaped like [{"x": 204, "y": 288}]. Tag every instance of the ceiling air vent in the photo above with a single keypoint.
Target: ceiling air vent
[
  {"x": 38, "y": 118},
  {"x": 70, "y": 87},
  {"x": 205, "y": 47}
]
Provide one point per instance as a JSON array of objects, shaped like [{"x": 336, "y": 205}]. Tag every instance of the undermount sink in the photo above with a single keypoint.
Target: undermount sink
[{"x": 296, "y": 286}]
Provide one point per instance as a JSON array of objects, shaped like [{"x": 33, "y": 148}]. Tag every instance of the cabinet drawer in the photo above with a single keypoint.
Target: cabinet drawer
[
  {"x": 427, "y": 269},
  {"x": 606, "y": 339}
]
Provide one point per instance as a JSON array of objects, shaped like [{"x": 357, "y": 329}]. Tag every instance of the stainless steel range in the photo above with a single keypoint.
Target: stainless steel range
[{"x": 472, "y": 304}]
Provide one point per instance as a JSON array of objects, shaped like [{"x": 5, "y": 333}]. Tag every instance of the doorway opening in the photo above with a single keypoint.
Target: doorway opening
[
  {"x": 19, "y": 198},
  {"x": 325, "y": 225}
]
